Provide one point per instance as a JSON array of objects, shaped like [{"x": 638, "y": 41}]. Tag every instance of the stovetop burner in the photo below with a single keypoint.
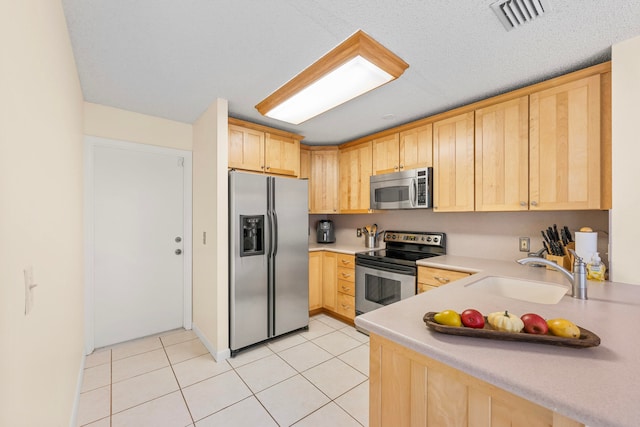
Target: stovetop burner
[{"x": 406, "y": 247}]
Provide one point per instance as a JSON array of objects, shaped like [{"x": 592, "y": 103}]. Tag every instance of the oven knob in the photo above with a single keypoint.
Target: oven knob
[
  {"x": 429, "y": 239},
  {"x": 435, "y": 240},
  {"x": 393, "y": 236}
]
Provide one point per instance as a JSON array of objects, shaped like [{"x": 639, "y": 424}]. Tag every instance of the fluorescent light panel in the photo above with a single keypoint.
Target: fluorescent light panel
[
  {"x": 346, "y": 82},
  {"x": 356, "y": 66}
]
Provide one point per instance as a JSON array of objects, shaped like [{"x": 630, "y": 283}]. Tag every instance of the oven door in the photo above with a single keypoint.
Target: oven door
[{"x": 380, "y": 285}]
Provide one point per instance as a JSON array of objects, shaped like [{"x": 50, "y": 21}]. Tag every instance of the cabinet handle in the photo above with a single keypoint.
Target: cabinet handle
[
  {"x": 346, "y": 275},
  {"x": 268, "y": 167},
  {"x": 534, "y": 203},
  {"x": 346, "y": 261},
  {"x": 401, "y": 166},
  {"x": 261, "y": 166},
  {"x": 344, "y": 288},
  {"x": 523, "y": 203},
  {"x": 395, "y": 168},
  {"x": 442, "y": 279},
  {"x": 346, "y": 307}
]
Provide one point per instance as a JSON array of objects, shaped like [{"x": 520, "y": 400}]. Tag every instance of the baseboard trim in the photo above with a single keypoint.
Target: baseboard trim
[
  {"x": 217, "y": 355},
  {"x": 76, "y": 400}
]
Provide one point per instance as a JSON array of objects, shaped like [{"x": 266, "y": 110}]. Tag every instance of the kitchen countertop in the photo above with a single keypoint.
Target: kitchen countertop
[
  {"x": 339, "y": 247},
  {"x": 597, "y": 386}
]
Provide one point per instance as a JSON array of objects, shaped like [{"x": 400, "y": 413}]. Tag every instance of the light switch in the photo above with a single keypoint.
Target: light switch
[{"x": 29, "y": 285}]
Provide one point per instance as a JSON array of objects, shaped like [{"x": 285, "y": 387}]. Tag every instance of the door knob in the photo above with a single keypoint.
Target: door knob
[
  {"x": 178, "y": 239},
  {"x": 178, "y": 251}
]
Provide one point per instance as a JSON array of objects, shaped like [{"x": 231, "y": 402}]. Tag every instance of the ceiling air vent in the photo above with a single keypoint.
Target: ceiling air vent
[{"x": 514, "y": 13}]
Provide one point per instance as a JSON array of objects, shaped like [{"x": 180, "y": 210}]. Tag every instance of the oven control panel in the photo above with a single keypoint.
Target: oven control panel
[{"x": 418, "y": 238}]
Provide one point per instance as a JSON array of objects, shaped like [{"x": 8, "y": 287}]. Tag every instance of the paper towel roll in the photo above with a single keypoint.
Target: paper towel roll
[{"x": 586, "y": 244}]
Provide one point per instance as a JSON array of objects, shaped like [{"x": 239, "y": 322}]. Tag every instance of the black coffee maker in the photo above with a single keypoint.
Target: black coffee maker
[{"x": 325, "y": 232}]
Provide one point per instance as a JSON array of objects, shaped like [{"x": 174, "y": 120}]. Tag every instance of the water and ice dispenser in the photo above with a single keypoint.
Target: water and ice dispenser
[{"x": 252, "y": 238}]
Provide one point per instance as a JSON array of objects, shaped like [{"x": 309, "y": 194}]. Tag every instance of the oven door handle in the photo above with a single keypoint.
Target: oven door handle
[{"x": 399, "y": 269}]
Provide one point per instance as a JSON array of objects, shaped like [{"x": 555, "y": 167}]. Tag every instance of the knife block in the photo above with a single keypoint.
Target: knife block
[
  {"x": 565, "y": 261},
  {"x": 562, "y": 261}
]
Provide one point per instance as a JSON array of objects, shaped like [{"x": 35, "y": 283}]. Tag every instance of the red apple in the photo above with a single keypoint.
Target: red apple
[
  {"x": 534, "y": 324},
  {"x": 472, "y": 319}
]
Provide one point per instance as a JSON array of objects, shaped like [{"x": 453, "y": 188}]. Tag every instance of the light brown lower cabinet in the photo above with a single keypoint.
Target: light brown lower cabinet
[
  {"x": 315, "y": 280},
  {"x": 409, "y": 389},
  {"x": 430, "y": 278}
]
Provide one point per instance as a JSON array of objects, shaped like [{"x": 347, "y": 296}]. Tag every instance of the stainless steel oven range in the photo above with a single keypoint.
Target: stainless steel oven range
[{"x": 384, "y": 276}]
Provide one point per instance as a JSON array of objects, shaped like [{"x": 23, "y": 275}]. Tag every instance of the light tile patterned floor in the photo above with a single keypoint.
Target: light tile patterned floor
[{"x": 317, "y": 377}]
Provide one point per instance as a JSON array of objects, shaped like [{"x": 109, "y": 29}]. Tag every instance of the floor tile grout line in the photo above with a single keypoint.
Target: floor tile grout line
[{"x": 184, "y": 399}]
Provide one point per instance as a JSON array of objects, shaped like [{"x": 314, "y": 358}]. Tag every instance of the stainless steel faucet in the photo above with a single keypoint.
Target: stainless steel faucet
[{"x": 578, "y": 278}]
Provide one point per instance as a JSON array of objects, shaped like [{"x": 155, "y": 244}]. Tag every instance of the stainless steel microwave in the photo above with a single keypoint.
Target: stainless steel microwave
[{"x": 410, "y": 189}]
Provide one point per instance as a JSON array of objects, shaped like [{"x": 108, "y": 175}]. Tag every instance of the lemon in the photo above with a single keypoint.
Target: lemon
[
  {"x": 563, "y": 328},
  {"x": 448, "y": 318}
]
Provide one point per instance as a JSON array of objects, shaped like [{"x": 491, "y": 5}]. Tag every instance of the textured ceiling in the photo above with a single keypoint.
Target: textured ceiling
[{"x": 172, "y": 59}]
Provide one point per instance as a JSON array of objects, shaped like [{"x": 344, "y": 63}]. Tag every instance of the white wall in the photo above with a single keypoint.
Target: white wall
[
  {"x": 210, "y": 259},
  {"x": 474, "y": 234},
  {"x": 40, "y": 215},
  {"x": 114, "y": 123},
  {"x": 625, "y": 233}
]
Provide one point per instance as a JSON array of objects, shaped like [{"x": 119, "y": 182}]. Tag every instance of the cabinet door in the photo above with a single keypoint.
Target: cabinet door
[
  {"x": 323, "y": 184},
  {"x": 282, "y": 155},
  {"x": 355, "y": 170},
  {"x": 453, "y": 160},
  {"x": 329, "y": 280},
  {"x": 315, "y": 280},
  {"x": 502, "y": 156},
  {"x": 305, "y": 170},
  {"x": 305, "y": 163},
  {"x": 386, "y": 154},
  {"x": 565, "y": 146},
  {"x": 416, "y": 148},
  {"x": 246, "y": 148}
]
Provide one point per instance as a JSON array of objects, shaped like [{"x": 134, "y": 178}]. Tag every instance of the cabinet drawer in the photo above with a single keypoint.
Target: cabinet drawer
[
  {"x": 346, "y": 305},
  {"x": 423, "y": 287},
  {"x": 347, "y": 287},
  {"x": 347, "y": 274},
  {"x": 438, "y": 277},
  {"x": 345, "y": 260}
]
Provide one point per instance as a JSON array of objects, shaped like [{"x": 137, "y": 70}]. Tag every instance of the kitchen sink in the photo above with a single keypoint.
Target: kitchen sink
[{"x": 520, "y": 289}]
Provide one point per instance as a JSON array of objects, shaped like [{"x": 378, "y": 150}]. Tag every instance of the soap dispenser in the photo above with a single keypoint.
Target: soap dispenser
[{"x": 596, "y": 268}]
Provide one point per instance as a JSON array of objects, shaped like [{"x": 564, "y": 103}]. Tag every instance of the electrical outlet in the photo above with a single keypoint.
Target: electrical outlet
[
  {"x": 524, "y": 244},
  {"x": 358, "y": 232}
]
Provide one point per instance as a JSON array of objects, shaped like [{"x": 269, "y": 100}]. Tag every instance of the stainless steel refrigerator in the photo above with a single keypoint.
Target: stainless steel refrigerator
[{"x": 268, "y": 257}]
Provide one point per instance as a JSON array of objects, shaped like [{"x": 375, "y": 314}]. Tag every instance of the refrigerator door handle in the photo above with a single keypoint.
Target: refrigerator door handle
[{"x": 275, "y": 233}]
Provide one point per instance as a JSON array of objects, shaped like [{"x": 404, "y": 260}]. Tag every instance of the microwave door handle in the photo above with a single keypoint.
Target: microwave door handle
[{"x": 413, "y": 192}]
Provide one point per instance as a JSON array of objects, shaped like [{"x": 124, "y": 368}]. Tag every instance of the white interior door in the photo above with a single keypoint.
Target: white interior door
[{"x": 138, "y": 243}]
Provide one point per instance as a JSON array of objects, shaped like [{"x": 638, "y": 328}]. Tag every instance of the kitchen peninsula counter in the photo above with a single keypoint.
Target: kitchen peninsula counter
[{"x": 596, "y": 386}]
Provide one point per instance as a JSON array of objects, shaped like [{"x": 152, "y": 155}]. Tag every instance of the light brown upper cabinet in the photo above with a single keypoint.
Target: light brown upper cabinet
[
  {"x": 355, "y": 170},
  {"x": 386, "y": 154},
  {"x": 405, "y": 150},
  {"x": 565, "y": 146},
  {"x": 246, "y": 148},
  {"x": 453, "y": 164},
  {"x": 305, "y": 162},
  {"x": 259, "y": 148},
  {"x": 416, "y": 147},
  {"x": 323, "y": 181},
  {"x": 502, "y": 156}
]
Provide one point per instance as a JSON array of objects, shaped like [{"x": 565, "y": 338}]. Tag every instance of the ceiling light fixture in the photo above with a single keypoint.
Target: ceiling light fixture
[{"x": 354, "y": 67}]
